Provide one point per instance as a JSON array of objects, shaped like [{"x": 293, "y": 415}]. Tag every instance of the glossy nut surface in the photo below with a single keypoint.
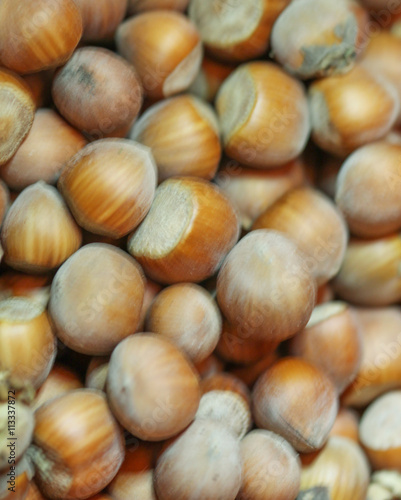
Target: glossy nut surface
[{"x": 109, "y": 186}]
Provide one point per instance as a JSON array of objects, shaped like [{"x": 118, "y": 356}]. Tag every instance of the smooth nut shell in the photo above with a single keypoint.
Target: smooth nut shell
[
  {"x": 315, "y": 224},
  {"x": 331, "y": 325},
  {"x": 27, "y": 344},
  {"x": 264, "y": 287},
  {"x": 109, "y": 186},
  {"x": 340, "y": 128},
  {"x": 38, "y": 35},
  {"x": 76, "y": 438},
  {"x": 205, "y": 459},
  {"x": 49, "y": 144},
  {"x": 263, "y": 114},
  {"x": 371, "y": 173},
  {"x": 183, "y": 135},
  {"x": 381, "y": 54},
  {"x": 39, "y": 233},
  {"x": 152, "y": 388},
  {"x": 100, "y": 19},
  {"x": 98, "y": 92},
  {"x": 271, "y": 467},
  {"x": 188, "y": 231},
  {"x": 17, "y": 111},
  {"x": 165, "y": 48},
  {"x": 186, "y": 314},
  {"x": 369, "y": 274},
  {"x": 296, "y": 400},
  {"x": 96, "y": 299}
]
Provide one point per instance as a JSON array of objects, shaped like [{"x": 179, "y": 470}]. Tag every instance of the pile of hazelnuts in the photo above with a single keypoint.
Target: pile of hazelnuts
[{"x": 200, "y": 277}]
